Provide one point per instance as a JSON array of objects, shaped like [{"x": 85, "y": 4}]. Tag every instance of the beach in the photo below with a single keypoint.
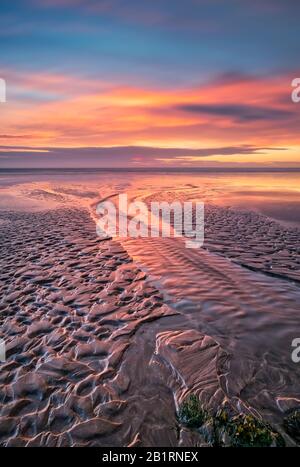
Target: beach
[{"x": 105, "y": 338}]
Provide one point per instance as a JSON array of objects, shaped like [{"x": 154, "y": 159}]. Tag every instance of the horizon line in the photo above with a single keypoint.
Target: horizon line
[{"x": 159, "y": 169}]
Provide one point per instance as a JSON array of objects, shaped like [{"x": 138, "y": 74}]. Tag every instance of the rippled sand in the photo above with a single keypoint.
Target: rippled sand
[
  {"x": 71, "y": 309},
  {"x": 106, "y": 338}
]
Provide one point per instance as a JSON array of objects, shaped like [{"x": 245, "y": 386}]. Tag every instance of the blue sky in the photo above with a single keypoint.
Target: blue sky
[{"x": 58, "y": 51}]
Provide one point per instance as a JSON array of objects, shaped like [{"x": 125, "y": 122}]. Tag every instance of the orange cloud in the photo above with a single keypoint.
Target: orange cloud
[{"x": 58, "y": 110}]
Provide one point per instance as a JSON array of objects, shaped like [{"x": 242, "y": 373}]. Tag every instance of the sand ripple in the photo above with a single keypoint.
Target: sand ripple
[
  {"x": 99, "y": 354},
  {"x": 70, "y": 306}
]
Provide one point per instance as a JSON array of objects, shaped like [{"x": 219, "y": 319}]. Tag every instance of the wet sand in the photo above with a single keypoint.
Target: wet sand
[
  {"x": 71, "y": 307},
  {"x": 106, "y": 338}
]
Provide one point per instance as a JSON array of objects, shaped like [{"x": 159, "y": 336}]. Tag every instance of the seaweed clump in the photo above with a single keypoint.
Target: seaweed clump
[
  {"x": 248, "y": 431},
  {"x": 291, "y": 424},
  {"x": 227, "y": 429},
  {"x": 191, "y": 412}
]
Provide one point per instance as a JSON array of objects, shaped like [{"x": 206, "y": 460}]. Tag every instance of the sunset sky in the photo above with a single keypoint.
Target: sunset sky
[{"x": 131, "y": 83}]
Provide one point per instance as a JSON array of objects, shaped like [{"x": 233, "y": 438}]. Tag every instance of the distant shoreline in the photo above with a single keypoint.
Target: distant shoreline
[{"x": 156, "y": 169}]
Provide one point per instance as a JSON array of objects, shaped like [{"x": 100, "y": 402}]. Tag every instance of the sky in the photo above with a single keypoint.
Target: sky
[{"x": 164, "y": 83}]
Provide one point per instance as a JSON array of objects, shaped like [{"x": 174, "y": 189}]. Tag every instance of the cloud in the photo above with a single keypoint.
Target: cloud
[
  {"x": 227, "y": 112},
  {"x": 119, "y": 156},
  {"x": 237, "y": 112},
  {"x": 208, "y": 14},
  {"x": 15, "y": 136},
  {"x": 168, "y": 13}
]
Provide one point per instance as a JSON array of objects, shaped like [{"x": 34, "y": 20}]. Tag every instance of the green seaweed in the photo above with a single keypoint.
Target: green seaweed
[
  {"x": 191, "y": 412},
  {"x": 226, "y": 428},
  {"x": 247, "y": 431},
  {"x": 291, "y": 424},
  {"x": 222, "y": 417}
]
